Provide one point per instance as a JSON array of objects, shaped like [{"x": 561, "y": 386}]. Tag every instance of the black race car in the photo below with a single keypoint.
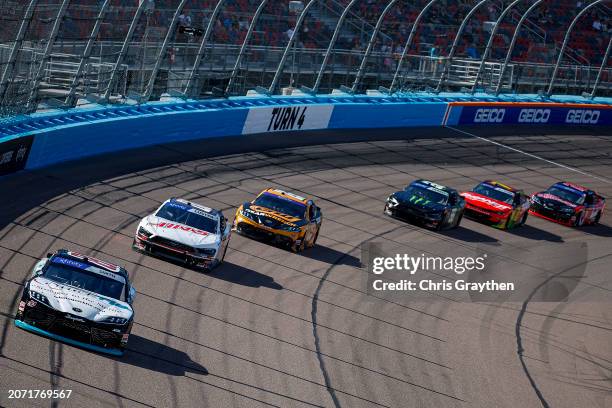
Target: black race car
[{"x": 424, "y": 201}]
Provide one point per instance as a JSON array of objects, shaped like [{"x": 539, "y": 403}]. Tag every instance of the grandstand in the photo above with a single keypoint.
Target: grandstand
[{"x": 63, "y": 53}]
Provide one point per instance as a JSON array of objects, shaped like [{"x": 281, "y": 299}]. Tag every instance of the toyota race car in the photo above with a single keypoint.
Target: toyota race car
[
  {"x": 78, "y": 300},
  {"x": 497, "y": 204},
  {"x": 568, "y": 204},
  {"x": 184, "y": 232},
  {"x": 424, "y": 201},
  {"x": 281, "y": 217}
]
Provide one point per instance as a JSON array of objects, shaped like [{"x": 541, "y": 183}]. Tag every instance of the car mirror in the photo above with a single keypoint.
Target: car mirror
[{"x": 131, "y": 295}]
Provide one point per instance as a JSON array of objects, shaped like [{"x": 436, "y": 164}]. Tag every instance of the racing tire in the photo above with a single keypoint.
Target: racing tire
[
  {"x": 579, "y": 220},
  {"x": 297, "y": 249},
  {"x": 524, "y": 219},
  {"x": 458, "y": 221},
  {"x": 314, "y": 241},
  {"x": 597, "y": 218}
]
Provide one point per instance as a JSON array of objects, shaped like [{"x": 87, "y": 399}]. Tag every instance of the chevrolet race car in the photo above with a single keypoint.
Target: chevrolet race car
[
  {"x": 79, "y": 300},
  {"x": 281, "y": 217},
  {"x": 184, "y": 232},
  {"x": 498, "y": 204},
  {"x": 424, "y": 201},
  {"x": 568, "y": 204}
]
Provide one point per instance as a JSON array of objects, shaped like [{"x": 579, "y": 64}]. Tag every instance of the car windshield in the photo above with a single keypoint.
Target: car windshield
[
  {"x": 188, "y": 216},
  {"x": 82, "y": 279},
  {"x": 423, "y": 195},
  {"x": 566, "y": 194},
  {"x": 280, "y": 204},
  {"x": 495, "y": 193}
]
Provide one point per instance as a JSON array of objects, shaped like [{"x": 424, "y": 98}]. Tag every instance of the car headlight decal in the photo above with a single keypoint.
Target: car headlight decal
[
  {"x": 39, "y": 297},
  {"x": 114, "y": 320}
]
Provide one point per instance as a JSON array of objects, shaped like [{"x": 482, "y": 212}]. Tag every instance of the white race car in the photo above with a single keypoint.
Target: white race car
[
  {"x": 185, "y": 232},
  {"x": 79, "y": 300}
]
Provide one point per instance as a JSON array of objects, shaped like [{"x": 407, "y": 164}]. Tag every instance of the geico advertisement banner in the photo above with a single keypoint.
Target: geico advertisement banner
[
  {"x": 287, "y": 118},
  {"x": 490, "y": 115}
]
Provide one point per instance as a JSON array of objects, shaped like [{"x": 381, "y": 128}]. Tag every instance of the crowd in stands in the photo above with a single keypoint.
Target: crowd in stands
[{"x": 538, "y": 41}]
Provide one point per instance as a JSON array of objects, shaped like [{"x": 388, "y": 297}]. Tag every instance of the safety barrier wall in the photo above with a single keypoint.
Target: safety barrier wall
[{"x": 44, "y": 139}]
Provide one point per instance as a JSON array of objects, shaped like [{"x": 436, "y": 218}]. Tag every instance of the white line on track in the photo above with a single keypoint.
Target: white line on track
[{"x": 605, "y": 180}]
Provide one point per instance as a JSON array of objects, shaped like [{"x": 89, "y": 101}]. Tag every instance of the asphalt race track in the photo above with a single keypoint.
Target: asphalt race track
[{"x": 271, "y": 328}]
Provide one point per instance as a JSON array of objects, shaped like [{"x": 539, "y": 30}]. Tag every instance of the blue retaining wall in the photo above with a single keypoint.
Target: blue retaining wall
[{"x": 72, "y": 134}]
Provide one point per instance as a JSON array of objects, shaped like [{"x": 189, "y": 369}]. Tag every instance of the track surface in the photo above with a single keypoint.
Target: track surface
[{"x": 271, "y": 328}]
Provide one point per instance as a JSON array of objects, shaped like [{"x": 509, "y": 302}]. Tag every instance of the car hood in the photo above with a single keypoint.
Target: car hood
[
  {"x": 264, "y": 213},
  {"x": 78, "y": 302},
  {"x": 554, "y": 201},
  {"x": 403, "y": 198},
  {"x": 179, "y": 232},
  {"x": 484, "y": 202}
]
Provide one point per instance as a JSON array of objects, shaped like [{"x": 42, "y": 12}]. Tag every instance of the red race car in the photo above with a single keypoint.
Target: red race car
[
  {"x": 497, "y": 204},
  {"x": 568, "y": 204}
]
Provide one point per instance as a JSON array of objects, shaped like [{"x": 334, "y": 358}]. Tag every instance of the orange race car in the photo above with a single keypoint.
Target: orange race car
[{"x": 281, "y": 217}]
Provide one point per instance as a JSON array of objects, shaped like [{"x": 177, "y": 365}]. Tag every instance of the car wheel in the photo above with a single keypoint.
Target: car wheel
[
  {"x": 597, "y": 218},
  {"x": 296, "y": 249},
  {"x": 314, "y": 241},
  {"x": 458, "y": 221},
  {"x": 579, "y": 220},
  {"x": 524, "y": 219}
]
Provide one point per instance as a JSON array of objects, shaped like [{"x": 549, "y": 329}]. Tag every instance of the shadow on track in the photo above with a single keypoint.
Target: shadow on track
[
  {"x": 243, "y": 276},
  {"x": 534, "y": 233},
  {"x": 330, "y": 256},
  {"x": 153, "y": 356},
  {"x": 600, "y": 230},
  {"x": 469, "y": 235}
]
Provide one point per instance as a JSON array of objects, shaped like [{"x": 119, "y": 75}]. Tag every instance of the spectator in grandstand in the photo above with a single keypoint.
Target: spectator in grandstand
[{"x": 472, "y": 52}]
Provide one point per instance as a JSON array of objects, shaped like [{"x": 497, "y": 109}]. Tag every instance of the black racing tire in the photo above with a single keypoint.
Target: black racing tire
[
  {"x": 314, "y": 241},
  {"x": 458, "y": 220},
  {"x": 597, "y": 218},
  {"x": 579, "y": 220},
  {"x": 524, "y": 219},
  {"x": 297, "y": 249}
]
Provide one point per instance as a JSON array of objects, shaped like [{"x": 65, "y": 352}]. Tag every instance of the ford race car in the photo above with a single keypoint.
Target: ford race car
[
  {"x": 184, "y": 232},
  {"x": 79, "y": 300},
  {"x": 568, "y": 204},
  {"x": 424, "y": 201},
  {"x": 281, "y": 217},
  {"x": 498, "y": 204}
]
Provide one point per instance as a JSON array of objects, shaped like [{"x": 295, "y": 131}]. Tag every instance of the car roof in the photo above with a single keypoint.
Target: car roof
[
  {"x": 506, "y": 187},
  {"x": 95, "y": 262},
  {"x": 435, "y": 185},
  {"x": 200, "y": 207},
  {"x": 287, "y": 195},
  {"x": 578, "y": 188}
]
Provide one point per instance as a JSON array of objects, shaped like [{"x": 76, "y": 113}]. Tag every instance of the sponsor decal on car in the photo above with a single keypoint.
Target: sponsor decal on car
[
  {"x": 170, "y": 225},
  {"x": 487, "y": 201}
]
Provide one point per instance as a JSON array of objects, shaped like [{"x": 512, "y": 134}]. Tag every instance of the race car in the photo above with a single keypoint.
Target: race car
[
  {"x": 184, "y": 232},
  {"x": 497, "y": 204},
  {"x": 78, "y": 300},
  {"x": 568, "y": 204},
  {"x": 281, "y": 217},
  {"x": 424, "y": 201}
]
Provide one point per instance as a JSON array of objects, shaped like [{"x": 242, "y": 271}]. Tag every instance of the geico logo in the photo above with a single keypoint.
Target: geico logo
[
  {"x": 582, "y": 116},
  {"x": 489, "y": 115},
  {"x": 534, "y": 116}
]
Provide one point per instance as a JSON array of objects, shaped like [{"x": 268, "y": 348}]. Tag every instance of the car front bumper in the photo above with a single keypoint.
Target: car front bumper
[
  {"x": 250, "y": 228},
  {"x": 148, "y": 247}
]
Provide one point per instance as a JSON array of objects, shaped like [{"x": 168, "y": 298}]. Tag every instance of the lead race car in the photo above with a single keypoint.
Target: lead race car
[
  {"x": 281, "y": 217},
  {"x": 184, "y": 232},
  {"x": 79, "y": 300},
  {"x": 497, "y": 204},
  {"x": 434, "y": 205},
  {"x": 568, "y": 204}
]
